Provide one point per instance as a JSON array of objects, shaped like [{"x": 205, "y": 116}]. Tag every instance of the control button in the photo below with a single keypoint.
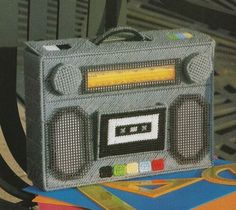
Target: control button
[
  {"x": 51, "y": 48},
  {"x": 179, "y": 35},
  {"x": 66, "y": 79},
  {"x": 188, "y": 35},
  {"x": 132, "y": 168},
  {"x": 57, "y": 47},
  {"x": 145, "y": 166},
  {"x": 158, "y": 165},
  {"x": 105, "y": 171},
  {"x": 119, "y": 170},
  {"x": 198, "y": 67},
  {"x": 64, "y": 46}
]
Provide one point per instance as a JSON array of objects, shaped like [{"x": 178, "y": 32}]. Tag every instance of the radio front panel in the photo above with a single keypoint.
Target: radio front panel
[
  {"x": 74, "y": 74},
  {"x": 105, "y": 146},
  {"x": 111, "y": 116}
]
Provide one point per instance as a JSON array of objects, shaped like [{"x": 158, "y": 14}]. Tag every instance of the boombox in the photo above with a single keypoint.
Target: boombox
[{"x": 116, "y": 108}]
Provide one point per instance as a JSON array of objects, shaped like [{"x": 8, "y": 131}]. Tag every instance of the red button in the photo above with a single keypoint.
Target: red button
[{"x": 157, "y": 165}]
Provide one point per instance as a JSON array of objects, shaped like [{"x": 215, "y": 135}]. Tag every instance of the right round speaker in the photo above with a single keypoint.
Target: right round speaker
[{"x": 198, "y": 67}]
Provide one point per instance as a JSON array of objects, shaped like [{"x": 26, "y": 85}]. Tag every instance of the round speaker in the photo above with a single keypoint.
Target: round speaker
[
  {"x": 197, "y": 67},
  {"x": 66, "y": 79}
]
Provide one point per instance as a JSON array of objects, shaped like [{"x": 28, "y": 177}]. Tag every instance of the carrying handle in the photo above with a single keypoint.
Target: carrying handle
[{"x": 137, "y": 36}]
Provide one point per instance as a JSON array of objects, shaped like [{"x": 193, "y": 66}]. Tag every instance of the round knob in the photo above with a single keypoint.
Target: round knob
[
  {"x": 66, "y": 79},
  {"x": 198, "y": 67}
]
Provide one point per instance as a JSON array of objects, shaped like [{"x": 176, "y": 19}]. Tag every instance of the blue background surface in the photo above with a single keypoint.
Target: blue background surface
[{"x": 182, "y": 199}]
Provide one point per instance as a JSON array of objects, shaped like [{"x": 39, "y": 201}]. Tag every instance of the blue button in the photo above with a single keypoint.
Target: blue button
[
  {"x": 145, "y": 166},
  {"x": 181, "y": 36}
]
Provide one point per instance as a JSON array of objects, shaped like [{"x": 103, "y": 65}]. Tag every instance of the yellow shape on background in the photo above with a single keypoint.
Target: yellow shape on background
[
  {"x": 188, "y": 35},
  {"x": 109, "y": 201},
  {"x": 166, "y": 186},
  {"x": 212, "y": 174},
  {"x": 103, "y": 198}
]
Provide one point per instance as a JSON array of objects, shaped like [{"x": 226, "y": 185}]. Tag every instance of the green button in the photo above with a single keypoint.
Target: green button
[
  {"x": 172, "y": 36},
  {"x": 119, "y": 170}
]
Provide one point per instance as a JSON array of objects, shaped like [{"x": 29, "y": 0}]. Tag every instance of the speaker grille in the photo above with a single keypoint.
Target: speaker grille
[
  {"x": 69, "y": 146},
  {"x": 189, "y": 129},
  {"x": 198, "y": 68}
]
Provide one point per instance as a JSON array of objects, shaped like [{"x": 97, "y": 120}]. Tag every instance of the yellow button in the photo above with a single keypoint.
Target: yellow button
[
  {"x": 188, "y": 35},
  {"x": 132, "y": 168}
]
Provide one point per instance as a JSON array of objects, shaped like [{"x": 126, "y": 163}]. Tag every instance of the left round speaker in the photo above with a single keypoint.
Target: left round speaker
[{"x": 66, "y": 79}]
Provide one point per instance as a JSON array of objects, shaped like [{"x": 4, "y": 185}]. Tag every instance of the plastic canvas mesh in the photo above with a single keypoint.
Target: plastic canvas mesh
[
  {"x": 197, "y": 68},
  {"x": 64, "y": 130},
  {"x": 131, "y": 65},
  {"x": 69, "y": 145},
  {"x": 66, "y": 79},
  {"x": 189, "y": 129}
]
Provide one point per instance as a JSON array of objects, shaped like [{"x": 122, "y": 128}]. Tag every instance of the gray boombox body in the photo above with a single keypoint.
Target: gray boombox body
[{"x": 118, "y": 110}]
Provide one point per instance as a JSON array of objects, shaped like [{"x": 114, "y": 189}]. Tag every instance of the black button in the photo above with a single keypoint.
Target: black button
[
  {"x": 105, "y": 171},
  {"x": 64, "y": 46}
]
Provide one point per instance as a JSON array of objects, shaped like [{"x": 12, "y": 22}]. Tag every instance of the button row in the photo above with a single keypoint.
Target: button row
[{"x": 131, "y": 168}]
